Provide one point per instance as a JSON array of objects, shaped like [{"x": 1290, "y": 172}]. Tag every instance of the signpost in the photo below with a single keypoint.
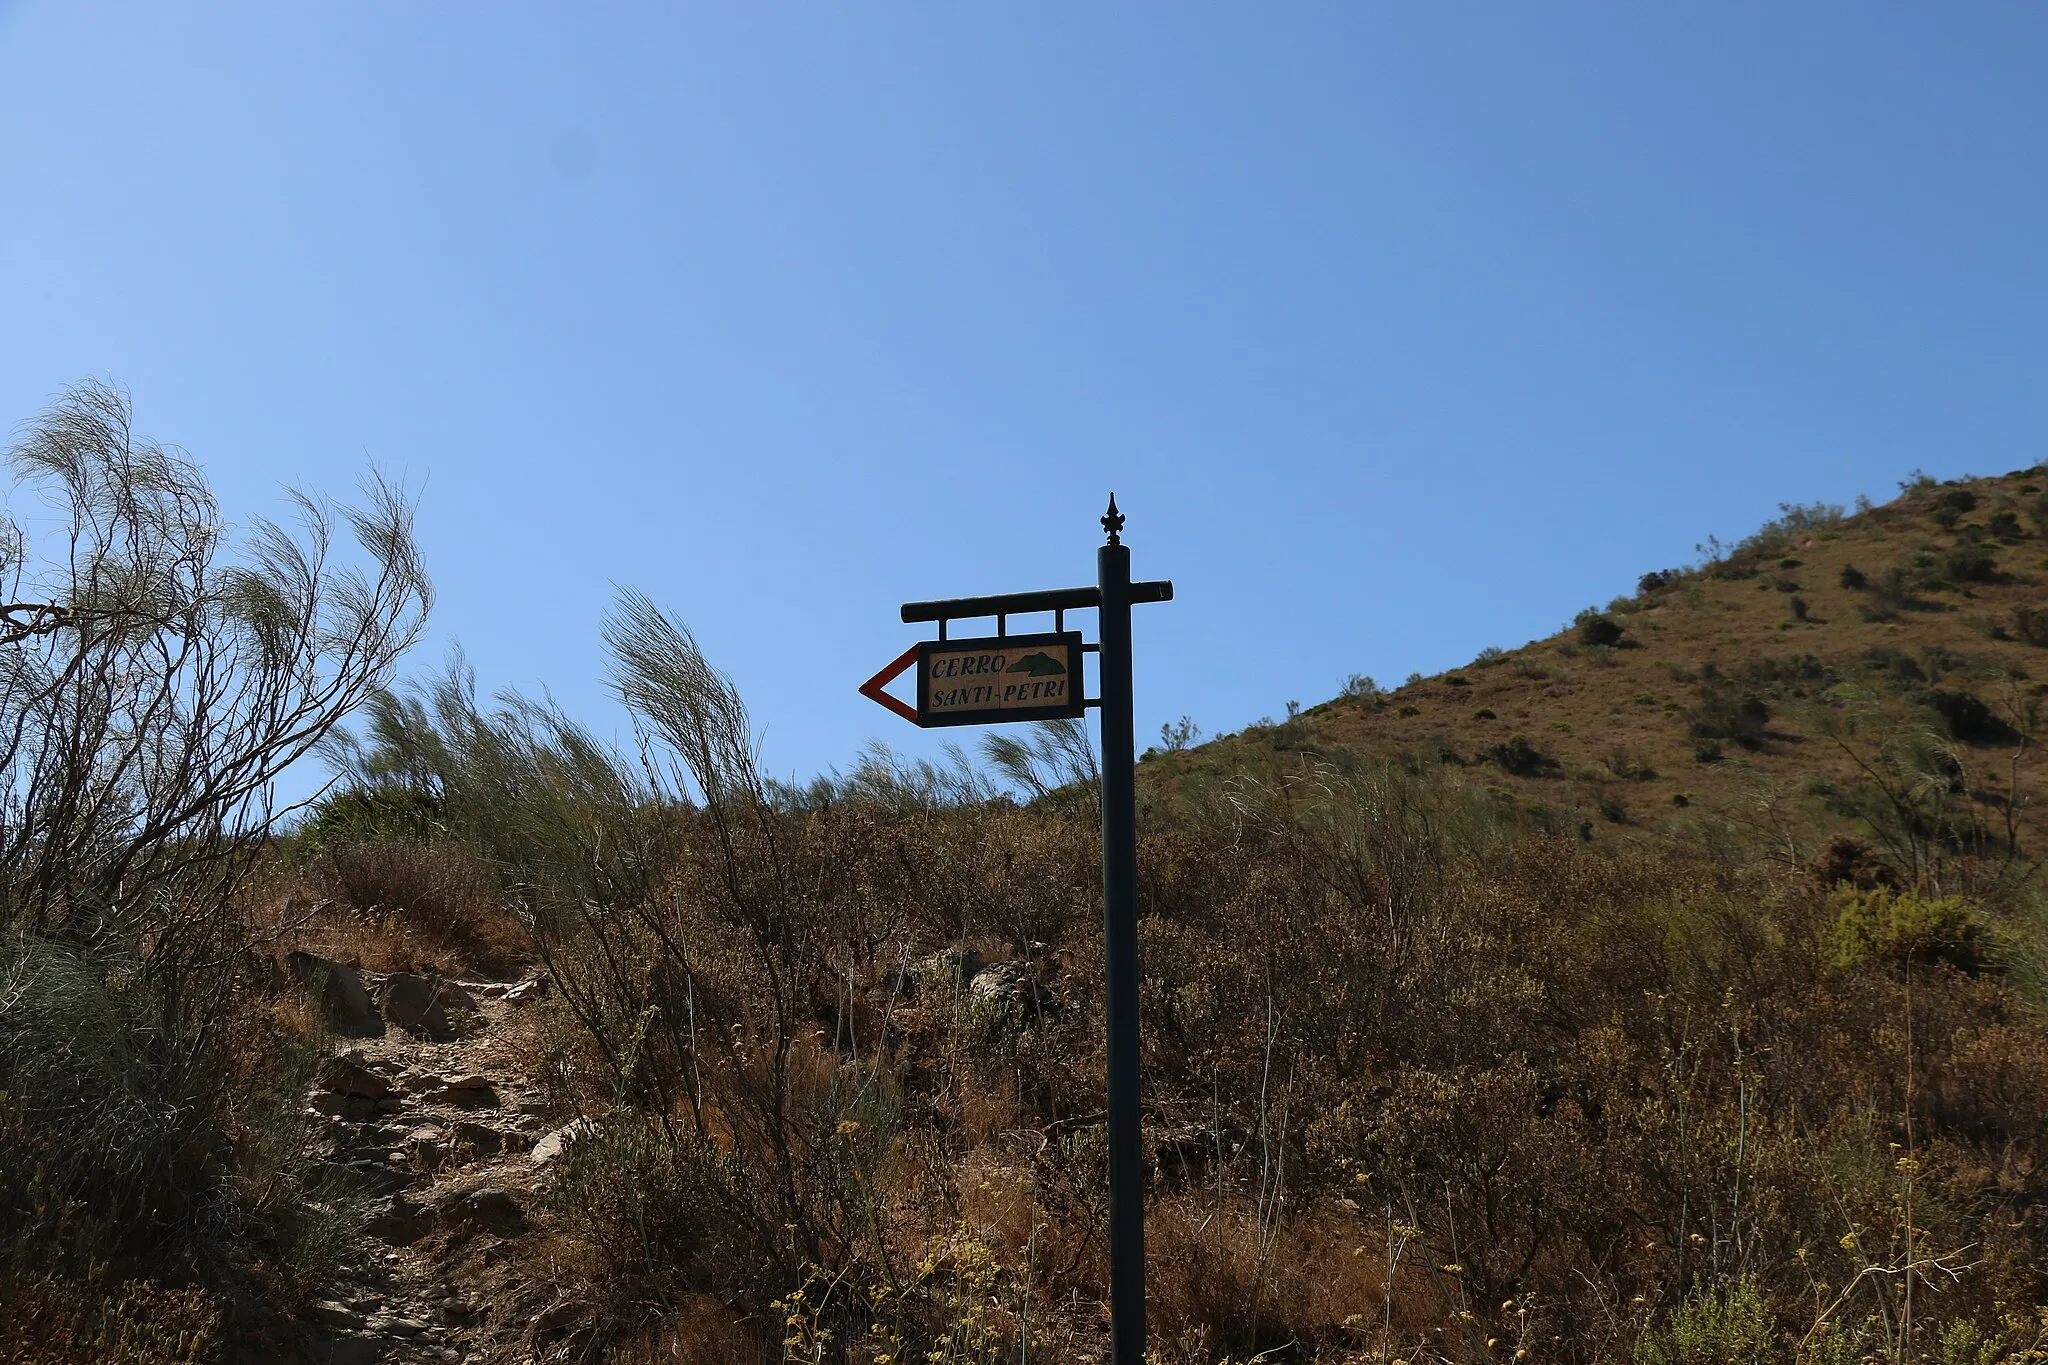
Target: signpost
[{"x": 1002, "y": 678}]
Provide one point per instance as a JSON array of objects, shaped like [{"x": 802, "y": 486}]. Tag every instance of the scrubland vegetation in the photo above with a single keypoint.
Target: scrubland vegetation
[{"x": 1431, "y": 1073}]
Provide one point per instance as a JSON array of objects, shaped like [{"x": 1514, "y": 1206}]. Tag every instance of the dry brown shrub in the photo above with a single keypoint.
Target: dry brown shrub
[
  {"x": 52, "y": 1320},
  {"x": 434, "y": 898}
]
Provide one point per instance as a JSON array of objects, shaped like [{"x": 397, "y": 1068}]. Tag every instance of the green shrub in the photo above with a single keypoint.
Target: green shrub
[
  {"x": 1969, "y": 718},
  {"x": 1906, "y": 928},
  {"x": 1623, "y": 762},
  {"x": 2031, "y": 625},
  {"x": 117, "y": 1142},
  {"x": 1518, "y": 756},
  {"x": 667, "y": 1211},
  {"x": 1724, "y": 1324},
  {"x": 355, "y": 814},
  {"x": 1722, "y": 714},
  {"x": 1970, "y": 564},
  {"x": 1596, "y": 630},
  {"x": 1361, "y": 687},
  {"x": 1963, "y": 1343}
]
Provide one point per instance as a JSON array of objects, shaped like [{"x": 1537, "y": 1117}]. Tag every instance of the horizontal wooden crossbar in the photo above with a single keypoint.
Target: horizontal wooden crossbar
[{"x": 1016, "y": 603}]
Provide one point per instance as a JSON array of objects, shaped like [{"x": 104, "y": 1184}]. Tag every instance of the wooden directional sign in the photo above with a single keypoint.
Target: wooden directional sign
[
  {"x": 1001, "y": 678},
  {"x": 989, "y": 681}
]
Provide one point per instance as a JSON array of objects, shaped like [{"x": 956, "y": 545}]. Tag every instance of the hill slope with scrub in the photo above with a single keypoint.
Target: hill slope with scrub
[{"x": 1876, "y": 675}]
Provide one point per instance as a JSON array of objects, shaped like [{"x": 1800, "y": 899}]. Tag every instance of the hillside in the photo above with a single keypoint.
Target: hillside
[{"x": 1868, "y": 674}]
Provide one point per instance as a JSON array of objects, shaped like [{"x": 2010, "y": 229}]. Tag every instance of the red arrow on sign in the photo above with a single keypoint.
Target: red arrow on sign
[{"x": 872, "y": 688}]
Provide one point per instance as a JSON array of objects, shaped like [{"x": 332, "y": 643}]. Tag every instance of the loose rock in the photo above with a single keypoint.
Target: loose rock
[
  {"x": 341, "y": 993},
  {"x": 556, "y": 1144},
  {"x": 421, "y": 1004},
  {"x": 336, "y": 1315},
  {"x": 528, "y": 991},
  {"x": 1009, "y": 988},
  {"x": 468, "y": 1092},
  {"x": 486, "y": 1210},
  {"x": 399, "y": 1223},
  {"x": 481, "y": 1139},
  {"x": 350, "y": 1073}
]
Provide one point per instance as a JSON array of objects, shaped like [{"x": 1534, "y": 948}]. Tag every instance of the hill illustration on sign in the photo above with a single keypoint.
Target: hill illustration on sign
[{"x": 1038, "y": 665}]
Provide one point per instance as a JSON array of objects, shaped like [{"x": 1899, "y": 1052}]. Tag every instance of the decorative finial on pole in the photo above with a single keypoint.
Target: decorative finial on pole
[{"x": 1113, "y": 521}]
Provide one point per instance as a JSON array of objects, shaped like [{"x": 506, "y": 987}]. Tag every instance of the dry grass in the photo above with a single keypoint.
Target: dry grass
[
  {"x": 394, "y": 905},
  {"x": 54, "y": 1320}
]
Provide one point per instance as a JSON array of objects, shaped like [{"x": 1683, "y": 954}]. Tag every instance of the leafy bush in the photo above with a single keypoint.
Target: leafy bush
[
  {"x": 1969, "y": 718},
  {"x": 2031, "y": 625},
  {"x": 1902, "y": 928},
  {"x": 1793, "y": 523},
  {"x": 1518, "y": 756},
  {"x": 1597, "y": 630},
  {"x": 355, "y": 814},
  {"x": 1626, "y": 763},
  {"x": 1721, "y": 714},
  {"x": 1970, "y": 564},
  {"x": 1718, "y": 1324},
  {"x": 667, "y": 1212}
]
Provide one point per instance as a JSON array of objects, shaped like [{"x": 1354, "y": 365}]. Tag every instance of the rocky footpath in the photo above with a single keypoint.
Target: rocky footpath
[{"x": 423, "y": 1113}]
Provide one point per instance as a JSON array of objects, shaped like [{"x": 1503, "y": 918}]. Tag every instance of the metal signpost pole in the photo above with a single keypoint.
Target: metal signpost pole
[
  {"x": 1120, "y": 950},
  {"x": 992, "y": 680}
]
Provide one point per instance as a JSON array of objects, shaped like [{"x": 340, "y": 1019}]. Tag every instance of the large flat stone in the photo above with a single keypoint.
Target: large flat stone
[
  {"x": 350, "y": 1074},
  {"x": 424, "y": 1005},
  {"x": 342, "y": 993},
  {"x": 486, "y": 1210}
]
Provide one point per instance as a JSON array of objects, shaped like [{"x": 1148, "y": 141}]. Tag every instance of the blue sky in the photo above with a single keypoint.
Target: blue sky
[{"x": 1398, "y": 330}]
